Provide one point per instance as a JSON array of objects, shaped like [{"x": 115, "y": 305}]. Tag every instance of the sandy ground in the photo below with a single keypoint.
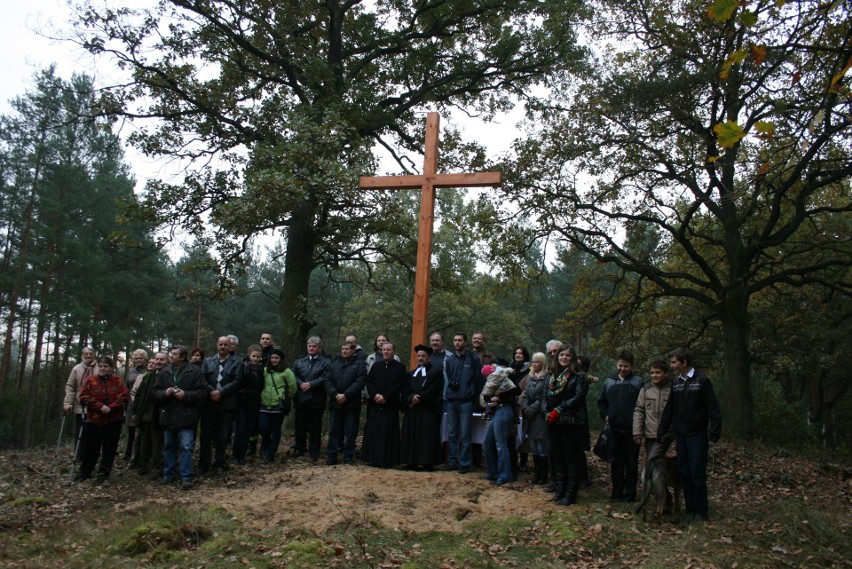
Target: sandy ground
[{"x": 318, "y": 497}]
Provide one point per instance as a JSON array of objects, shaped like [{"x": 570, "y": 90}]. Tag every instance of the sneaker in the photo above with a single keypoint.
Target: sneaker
[
  {"x": 186, "y": 485},
  {"x": 80, "y": 477},
  {"x": 464, "y": 470},
  {"x": 101, "y": 478}
]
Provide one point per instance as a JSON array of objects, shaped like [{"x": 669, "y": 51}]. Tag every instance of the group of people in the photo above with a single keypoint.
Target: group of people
[{"x": 533, "y": 404}]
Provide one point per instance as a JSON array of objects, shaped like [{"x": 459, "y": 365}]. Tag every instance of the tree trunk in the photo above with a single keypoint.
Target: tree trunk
[
  {"x": 25, "y": 335},
  {"x": 293, "y": 301},
  {"x": 735, "y": 395},
  {"x": 21, "y": 266},
  {"x": 35, "y": 380}
]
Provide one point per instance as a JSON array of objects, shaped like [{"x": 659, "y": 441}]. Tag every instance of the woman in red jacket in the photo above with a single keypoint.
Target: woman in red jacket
[{"x": 103, "y": 397}]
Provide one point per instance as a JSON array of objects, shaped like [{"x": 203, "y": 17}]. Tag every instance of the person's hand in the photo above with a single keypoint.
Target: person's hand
[
  {"x": 179, "y": 394},
  {"x": 637, "y": 439},
  {"x": 216, "y": 395},
  {"x": 592, "y": 378},
  {"x": 415, "y": 400},
  {"x": 340, "y": 398},
  {"x": 379, "y": 399},
  {"x": 66, "y": 409},
  {"x": 105, "y": 410},
  {"x": 553, "y": 417},
  {"x": 170, "y": 391},
  {"x": 306, "y": 386}
]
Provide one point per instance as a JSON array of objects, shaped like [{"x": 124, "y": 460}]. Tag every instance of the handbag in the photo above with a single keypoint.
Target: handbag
[
  {"x": 283, "y": 402},
  {"x": 603, "y": 447},
  {"x": 568, "y": 420}
]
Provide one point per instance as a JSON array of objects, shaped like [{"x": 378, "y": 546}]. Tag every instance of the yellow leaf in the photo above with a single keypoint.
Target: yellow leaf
[
  {"x": 728, "y": 133},
  {"x": 764, "y": 129},
  {"x": 839, "y": 75},
  {"x": 748, "y": 18},
  {"x": 734, "y": 59},
  {"x": 758, "y": 53},
  {"x": 722, "y": 10}
]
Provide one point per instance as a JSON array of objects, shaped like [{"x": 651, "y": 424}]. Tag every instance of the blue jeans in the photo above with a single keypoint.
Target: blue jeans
[
  {"x": 692, "y": 467},
  {"x": 174, "y": 441},
  {"x": 459, "y": 417},
  {"x": 498, "y": 461},
  {"x": 344, "y": 426},
  {"x": 269, "y": 428}
]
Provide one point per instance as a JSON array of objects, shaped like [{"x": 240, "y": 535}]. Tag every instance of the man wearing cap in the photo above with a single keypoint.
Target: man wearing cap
[
  {"x": 421, "y": 403},
  {"x": 343, "y": 385},
  {"x": 311, "y": 372}
]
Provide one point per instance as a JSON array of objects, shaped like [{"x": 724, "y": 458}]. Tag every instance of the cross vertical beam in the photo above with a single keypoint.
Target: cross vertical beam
[
  {"x": 428, "y": 182},
  {"x": 425, "y": 232}
]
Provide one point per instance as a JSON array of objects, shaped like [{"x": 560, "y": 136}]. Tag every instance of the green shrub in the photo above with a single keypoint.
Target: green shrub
[{"x": 776, "y": 421}]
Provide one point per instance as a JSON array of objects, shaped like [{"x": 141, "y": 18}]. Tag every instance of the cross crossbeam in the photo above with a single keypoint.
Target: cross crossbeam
[{"x": 428, "y": 182}]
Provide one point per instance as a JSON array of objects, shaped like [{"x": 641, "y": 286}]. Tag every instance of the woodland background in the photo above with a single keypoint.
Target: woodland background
[{"x": 682, "y": 177}]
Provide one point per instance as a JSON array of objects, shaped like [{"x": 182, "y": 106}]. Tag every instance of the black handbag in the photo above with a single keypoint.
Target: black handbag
[
  {"x": 603, "y": 447},
  {"x": 283, "y": 402}
]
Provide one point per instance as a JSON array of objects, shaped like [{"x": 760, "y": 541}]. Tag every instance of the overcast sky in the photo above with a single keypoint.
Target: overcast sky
[
  {"x": 24, "y": 51},
  {"x": 25, "y": 28}
]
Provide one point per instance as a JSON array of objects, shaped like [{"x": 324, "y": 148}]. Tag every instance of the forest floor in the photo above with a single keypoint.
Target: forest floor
[{"x": 769, "y": 508}]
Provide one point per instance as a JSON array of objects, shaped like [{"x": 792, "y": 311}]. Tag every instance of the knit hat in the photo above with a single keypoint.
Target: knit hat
[{"x": 487, "y": 370}]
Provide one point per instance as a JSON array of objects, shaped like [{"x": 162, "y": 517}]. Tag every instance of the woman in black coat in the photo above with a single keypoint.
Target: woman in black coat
[{"x": 566, "y": 420}]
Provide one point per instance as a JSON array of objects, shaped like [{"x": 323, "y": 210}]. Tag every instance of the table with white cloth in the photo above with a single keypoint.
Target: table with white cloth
[{"x": 478, "y": 426}]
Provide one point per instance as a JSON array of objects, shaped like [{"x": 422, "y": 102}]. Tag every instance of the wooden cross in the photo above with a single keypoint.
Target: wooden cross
[{"x": 428, "y": 182}]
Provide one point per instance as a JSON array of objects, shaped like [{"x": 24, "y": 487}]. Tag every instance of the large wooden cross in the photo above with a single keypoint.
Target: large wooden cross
[{"x": 428, "y": 182}]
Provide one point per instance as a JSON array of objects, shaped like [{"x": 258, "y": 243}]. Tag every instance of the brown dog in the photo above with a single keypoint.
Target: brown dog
[{"x": 657, "y": 477}]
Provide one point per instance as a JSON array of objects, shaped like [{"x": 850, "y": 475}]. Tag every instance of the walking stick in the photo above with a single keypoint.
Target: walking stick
[
  {"x": 59, "y": 439},
  {"x": 74, "y": 458}
]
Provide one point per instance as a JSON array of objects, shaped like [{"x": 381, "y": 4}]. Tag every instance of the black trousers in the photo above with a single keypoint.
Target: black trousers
[
  {"x": 215, "y": 432},
  {"x": 308, "y": 424},
  {"x": 99, "y": 441},
  {"x": 625, "y": 466}
]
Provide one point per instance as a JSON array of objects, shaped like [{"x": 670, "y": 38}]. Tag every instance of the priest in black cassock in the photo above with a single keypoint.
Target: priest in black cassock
[
  {"x": 385, "y": 383},
  {"x": 421, "y": 424}
]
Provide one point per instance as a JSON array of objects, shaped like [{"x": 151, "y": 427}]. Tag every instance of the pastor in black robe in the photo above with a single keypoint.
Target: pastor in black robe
[
  {"x": 386, "y": 378},
  {"x": 421, "y": 424}
]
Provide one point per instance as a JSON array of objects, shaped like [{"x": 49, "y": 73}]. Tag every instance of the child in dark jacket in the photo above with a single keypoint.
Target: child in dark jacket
[
  {"x": 248, "y": 402},
  {"x": 616, "y": 404}
]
